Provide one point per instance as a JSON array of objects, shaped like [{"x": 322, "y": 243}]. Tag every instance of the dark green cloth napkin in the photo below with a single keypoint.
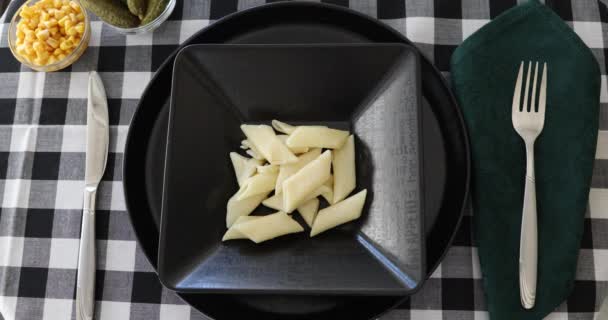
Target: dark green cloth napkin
[{"x": 484, "y": 69}]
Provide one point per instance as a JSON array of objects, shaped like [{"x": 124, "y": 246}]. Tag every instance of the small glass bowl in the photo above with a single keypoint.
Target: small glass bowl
[
  {"x": 68, "y": 60},
  {"x": 151, "y": 25}
]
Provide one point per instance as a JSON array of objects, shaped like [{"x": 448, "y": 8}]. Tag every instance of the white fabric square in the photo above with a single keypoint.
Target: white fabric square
[
  {"x": 8, "y": 307},
  {"x": 475, "y": 264},
  {"x": 74, "y": 138},
  {"x": 11, "y": 252},
  {"x": 437, "y": 273},
  {"x": 16, "y": 193},
  {"x": 557, "y": 316},
  {"x": 134, "y": 84},
  {"x": 469, "y": 26},
  {"x": 598, "y": 203},
  {"x": 118, "y": 138},
  {"x": 189, "y": 27},
  {"x": 120, "y": 255},
  {"x": 31, "y": 85},
  {"x": 420, "y": 29},
  {"x": 110, "y": 310},
  {"x": 3, "y": 42},
  {"x": 79, "y": 85},
  {"x": 604, "y": 88},
  {"x": 69, "y": 194},
  {"x": 57, "y": 309},
  {"x": 64, "y": 253},
  {"x": 144, "y": 39},
  {"x": 601, "y": 151},
  {"x": 23, "y": 138},
  {"x": 481, "y": 315},
  {"x": 95, "y": 34},
  {"x": 174, "y": 311},
  {"x": 600, "y": 259},
  {"x": 118, "y": 197},
  {"x": 590, "y": 32},
  {"x": 426, "y": 314}
]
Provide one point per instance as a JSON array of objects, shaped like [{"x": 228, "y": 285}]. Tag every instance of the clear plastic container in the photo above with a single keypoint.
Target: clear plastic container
[
  {"x": 150, "y": 26},
  {"x": 68, "y": 60}
]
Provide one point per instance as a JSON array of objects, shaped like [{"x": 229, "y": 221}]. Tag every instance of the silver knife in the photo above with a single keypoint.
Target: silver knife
[{"x": 96, "y": 157}]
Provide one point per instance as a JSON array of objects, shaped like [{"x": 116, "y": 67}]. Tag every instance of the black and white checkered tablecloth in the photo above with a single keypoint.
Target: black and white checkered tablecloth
[{"x": 42, "y": 145}]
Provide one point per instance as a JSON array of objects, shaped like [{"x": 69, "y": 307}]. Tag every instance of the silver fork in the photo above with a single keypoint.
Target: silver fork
[{"x": 529, "y": 123}]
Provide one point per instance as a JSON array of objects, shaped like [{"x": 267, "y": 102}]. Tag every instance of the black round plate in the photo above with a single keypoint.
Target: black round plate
[{"x": 445, "y": 150}]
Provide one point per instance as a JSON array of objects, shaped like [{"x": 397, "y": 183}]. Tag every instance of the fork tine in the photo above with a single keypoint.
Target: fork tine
[
  {"x": 527, "y": 89},
  {"x": 534, "y": 84},
  {"x": 517, "y": 93},
  {"x": 542, "y": 98}
]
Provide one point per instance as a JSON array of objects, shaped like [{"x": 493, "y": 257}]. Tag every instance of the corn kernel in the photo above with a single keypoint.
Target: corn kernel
[
  {"x": 80, "y": 16},
  {"x": 75, "y": 6},
  {"x": 20, "y": 34},
  {"x": 80, "y": 28},
  {"x": 54, "y": 31},
  {"x": 68, "y": 24},
  {"x": 52, "y": 43},
  {"x": 19, "y": 41},
  {"x": 42, "y": 35},
  {"x": 25, "y": 13},
  {"x": 29, "y": 51},
  {"x": 63, "y": 20},
  {"x": 52, "y": 60},
  {"x": 50, "y": 23},
  {"x": 66, "y": 45},
  {"x": 44, "y": 16},
  {"x": 73, "y": 18},
  {"x": 30, "y": 35},
  {"x": 57, "y": 51},
  {"x": 59, "y": 14},
  {"x": 71, "y": 31},
  {"x": 66, "y": 9}
]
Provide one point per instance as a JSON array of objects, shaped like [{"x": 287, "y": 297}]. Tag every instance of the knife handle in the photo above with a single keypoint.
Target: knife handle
[
  {"x": 85, "y": 282},
  {"x": 528, "y": 242}
]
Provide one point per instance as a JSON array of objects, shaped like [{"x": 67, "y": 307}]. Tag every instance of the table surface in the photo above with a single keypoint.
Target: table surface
[{"x": 42, "y": 145}]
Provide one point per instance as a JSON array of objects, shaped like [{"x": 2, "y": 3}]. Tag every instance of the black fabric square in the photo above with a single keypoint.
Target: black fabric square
[
  {"x": 587, "y": 239},
  {"x": 582, "y": 298},
  {"x": 53, "y": 111},
  {"x": 499, "y": 6},
  {"x": 8, "y": 63},
  {"x": 39, "y": 223},
  {"x": 114, "y": 106},
  {"x": 562, "y": 8},
  {"x": 457, "y": 294},
  {"x": 108, "y": 174},
  {"x": 3, "y": 164},
  {"x": 463, "y": 235},
  {"x": 443, "y": 54},
  {"x": 146, "y": 288},
  {"x": 343, "y": 3},
  {"x": 160, "y": 53},
  {"x": 391, "y": 9},
  {"x": 451, "y": 9},
  {"x": 178, "y": 12},
  {"x": 221, "y": 8},
  {"x": 102, "y": 224},
  {"x": 46, "y": 165},
  {"x": 111, "y": 59},
  {"x": 100, "y": 276},
  {"x": 7, "y": 110},
  {"x": 32, "y": 282}
]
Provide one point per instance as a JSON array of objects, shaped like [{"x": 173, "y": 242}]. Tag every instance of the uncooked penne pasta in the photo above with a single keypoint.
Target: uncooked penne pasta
[
  {"x": 308, "y": 210},
  {"x": 268, "y": 227},
  {"x": 317, "y": 137},
  {"x": 297, "y": 150},
  {"x": 342, "y": 212},
  {"x": 269, "y": 168},
  {"x": 287, "y": 170},
  {"x": 297, "y": 187},
  {"x": 282, "y": 127},
  {"x": 254, "y": 154},
  {"x": 237, "y": 208},
  {"x": 243, "y": 167},
  {"x": 258, "y": 184},
  {"x": 232, "y": 233},
  {"x": 344, "y": 170},
  {"x": 275, "y": 202},
  {"x": 269, "y": 146}
]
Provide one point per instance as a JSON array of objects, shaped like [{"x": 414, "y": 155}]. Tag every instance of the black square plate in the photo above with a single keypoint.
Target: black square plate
[{"x": 372, "y": 90}]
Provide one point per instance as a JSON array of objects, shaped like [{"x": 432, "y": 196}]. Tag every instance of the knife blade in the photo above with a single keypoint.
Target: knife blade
[{"x": 98, "y": 138}]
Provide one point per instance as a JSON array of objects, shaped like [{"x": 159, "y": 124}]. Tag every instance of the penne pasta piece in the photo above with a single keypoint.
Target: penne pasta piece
[
  {"x": 258, "y": 184},
  {"x": 243, "y": 167},
  {"x": 342, "y": 212},
  {"x": 268, "y": 227},
  {"x": 308, "y": 210},
  {"x": 297, "y": 187},
  {"x": 282, "y": 127},
  {"x": 275, "y": 202},
  {"x": 287, "y": 170},
  {"x": 344, "y": 170},
  {"x": 317, "y": 137},
  {"x": 232, "y": 233},
  {"x": 326, "y": 192},
  {"x": 254, "y": 155},
  {"x": 269, "y": 168},
  {"x": 299, "y": 150},
  {"x": 237, "y": 208},
  {"x": 269, "y": 146}
]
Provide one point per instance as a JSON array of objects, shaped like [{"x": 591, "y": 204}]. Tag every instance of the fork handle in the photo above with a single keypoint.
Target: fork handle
[{"x": 528, "y": 243}]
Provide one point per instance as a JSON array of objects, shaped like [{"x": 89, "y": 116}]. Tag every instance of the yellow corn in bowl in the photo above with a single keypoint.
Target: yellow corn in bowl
[{"x": 49, "y": 35}]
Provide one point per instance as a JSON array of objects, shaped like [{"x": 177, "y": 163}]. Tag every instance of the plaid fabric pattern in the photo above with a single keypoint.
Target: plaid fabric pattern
[{"x": 42, "y": 153}]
